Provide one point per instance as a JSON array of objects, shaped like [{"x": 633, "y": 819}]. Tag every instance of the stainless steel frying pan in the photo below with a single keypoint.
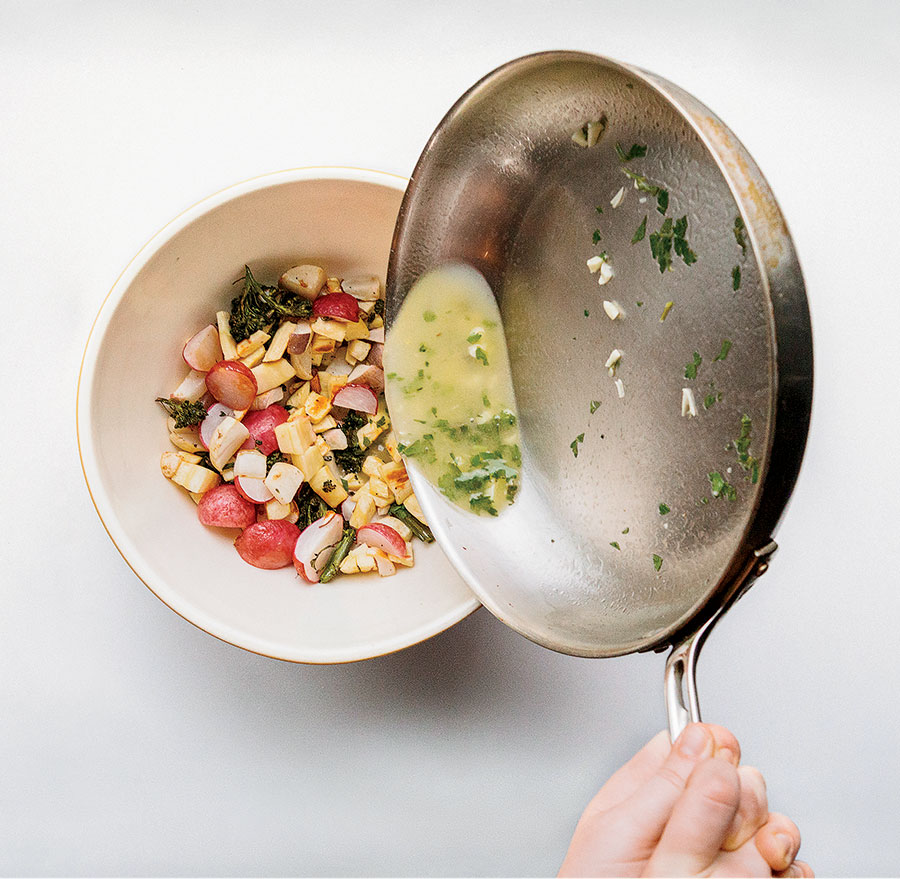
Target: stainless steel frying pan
[{"x": 662, "y": 521}]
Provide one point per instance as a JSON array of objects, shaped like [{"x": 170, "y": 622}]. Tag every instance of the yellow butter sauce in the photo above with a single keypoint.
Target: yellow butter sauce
[{"x": 449, "y": 389}]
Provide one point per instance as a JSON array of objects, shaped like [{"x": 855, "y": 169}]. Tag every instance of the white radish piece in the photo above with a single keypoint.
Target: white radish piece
[
  {"x": 227, "y": 438},
  {"x": 315, "y": 545},
  {"x": 307, "y": 280},
  {"x": 192, "y": 388},
  {"x": 367, "y": 374},
  {"x": 263, "y": 401},
  {"x": 376, "y": 335},
  {"x": 249, "y": 462},
  {"x": 339, "y": 365},
  {"x": 386, "y": 567},
  {"x": 284, "y": 481},
  {"x": 366, "y": 287},
  {"x": 347, "y": 508},
  {"x": 359, "y": 397},
  {"x": 376, "y": 355},
  {"x": 253, "y": 489},
  {"x": 302, "y": 364},
  {"x": 300, "y": 337},
  {"x": 214, "y": 416},
  {"x": 383, "y": 537},
  {"x": 335, "y": 439},
  {"x": 203, "y": 350}
]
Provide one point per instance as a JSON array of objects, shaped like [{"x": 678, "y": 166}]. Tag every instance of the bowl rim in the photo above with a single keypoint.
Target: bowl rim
[{"x": 89, "y": 465}]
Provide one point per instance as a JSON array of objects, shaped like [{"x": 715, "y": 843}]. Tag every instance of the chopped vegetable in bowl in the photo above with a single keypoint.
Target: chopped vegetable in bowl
[{"x": 281, "y": 429}]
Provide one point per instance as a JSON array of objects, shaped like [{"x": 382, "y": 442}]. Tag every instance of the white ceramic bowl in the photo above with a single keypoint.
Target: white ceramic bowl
[{"x": 342, "y": 218}]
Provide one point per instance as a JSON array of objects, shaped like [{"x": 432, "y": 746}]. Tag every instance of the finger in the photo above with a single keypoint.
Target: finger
[
  {"x": 700, "y": 821},
  {"x": 753, "y": 809},
  {"x": 797, "y": 868},
  {"x": 641, "y": 818},
  {"x": 778, "y": 841}
]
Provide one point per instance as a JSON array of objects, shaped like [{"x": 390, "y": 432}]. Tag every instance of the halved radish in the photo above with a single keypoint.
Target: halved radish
[
  {"x": 383, "y": 537},
  {"x": 315, "y": 545},
  {"x": 214, "y": 416},
  {"x": 300, "y": 338},
  {"x": 232, "y": 383},
  {"x": 253, "y": 489},
  {"x": 203, "y": 350},
  {"x": 268, "y": 544},
  {"x": 335, "y": 438},
  {"x": 359, "y": 397},
  {"x": 223, "y": 507},
  {"x": 368, "y": 374},
  {"x": 262, "y": 423},
  {"x": 376, "y": 335},
  {"x": 341, "y": 306}
]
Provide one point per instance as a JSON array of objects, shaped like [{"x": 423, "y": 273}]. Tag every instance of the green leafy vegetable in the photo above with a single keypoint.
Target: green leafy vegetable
[
  {"x": 661, "y": 245},
  {"x": 742, "y": 447},
  {"x": 574, "y": 444},
  {"x": 721, "y": 487},
  {"x": 736, "y": 278},
  {"x": 276, "y": 457},
  {"x": 641, "y": 182},
  {"x": 310, "y": 505},
  {"x": 597, "y": 237},
  {"x": 637, "y": 151},
  {"x": 259, "y": 307},
  {"x": 615, "y": 545},
  {"x": 480, "y": 355},
  {"x": 185, "y": 413},
  {"x": 595, "y": 405},
  {"x": 662, "y": 200},
  {"x": 483, "y": 502},
  {"x": 351, "y": 458},
  {"x": 664, "y": 509},
  {"x": 680, "y": 241},
  {"x": 690, "y": 369},
  {"x": 739, "y": 233},
  {"x": 640, "y": 232},
  {"x": 474, "y": 337},
  {"x": 723, "y": 351},
  {"x": 657, "y": 561}
]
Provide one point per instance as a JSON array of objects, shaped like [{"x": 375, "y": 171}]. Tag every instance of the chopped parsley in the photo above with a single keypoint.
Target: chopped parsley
[
  {"x": 587, "y": 313},
  {"x": 682, "y": 248},
  {"x": 723, "y": 351},
  {"x": 599, "y": 209},
  {"x": 639, "y": 304},
  {"x": 657, "y": 561},
  {"x": 690, "y": 369},
  {"x": 739, "y": 233},
  {"x": 662, "y": 201},
  {"x": 483, "y": 502},
  {"x": 473, "y": 337},
  {"x": 574, "y": 444},
  {"x": 721, "y": 487},
  {"x": 664, "y": 509},
  {"x": 640, "y": 232},
  {"x": 423, "y": 348},
  {"x": 185, "y": 413},
  {"x": 429, "y": 316},
  {"x": 637, "y": 151},
  {"x": 480, "y": 355},
  {"x": 711, "y": 399},
  {"x": 625, "y": 530},
  {"x": 597, "y": 236},
  {"x": 665, "y": 312},
  {"x": 641, "y": 183},
  {"x": 276, "y": 457},
  {"x": 742, "y": 447},
  {"x": 595, "y": 405},
  {"x": 614, "y": 544},
  {"x": 736, "y": 278}
]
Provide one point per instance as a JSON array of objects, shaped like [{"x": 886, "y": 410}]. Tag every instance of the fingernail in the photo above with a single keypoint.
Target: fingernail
[
  {"x": 786, "y": 844},
  {"x": 692, "y": 742},
  {"x": 727, "y": 755}
]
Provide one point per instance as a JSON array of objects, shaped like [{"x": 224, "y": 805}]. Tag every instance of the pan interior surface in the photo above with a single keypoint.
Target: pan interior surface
[{"x": 629, "y": 514}]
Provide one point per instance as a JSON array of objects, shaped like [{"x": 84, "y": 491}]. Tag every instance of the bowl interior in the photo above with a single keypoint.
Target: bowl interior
[{"x": 173, "y": 288}]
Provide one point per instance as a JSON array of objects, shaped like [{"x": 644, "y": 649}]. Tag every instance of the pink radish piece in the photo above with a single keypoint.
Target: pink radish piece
[
  {"x": 341, "y": 306},
  {"x": 383, "y": 537},
  {"x": 300, "y": 338},
  {"x": 335, "y": 438},
  {"x": 376, "y": 335},
  {"x": 268, "y": 544},
  {"x": 376, "y": 353},
  {"x": 232, "y": 383},
  {"x": 203, "y": 350},
  {"x": 253, "y": 489},
  {"x": 214, "y": 415},
  {"x": 359, "y": 397},
  {"x": 261, "y": 424},
  {"x": 367, "y": 374},
  {"x": 223, "y": 507},
  {"x": 316, "y": 543}
]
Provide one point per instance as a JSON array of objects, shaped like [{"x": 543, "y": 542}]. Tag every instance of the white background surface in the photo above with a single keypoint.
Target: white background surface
[{"x": 132, "y": 743}]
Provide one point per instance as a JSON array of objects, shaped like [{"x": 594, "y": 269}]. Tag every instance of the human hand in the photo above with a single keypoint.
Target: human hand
[{"x": 684, "y": 810}]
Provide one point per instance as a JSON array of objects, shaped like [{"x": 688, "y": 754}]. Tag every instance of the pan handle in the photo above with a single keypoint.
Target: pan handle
[{"x": 682, "y": 704}]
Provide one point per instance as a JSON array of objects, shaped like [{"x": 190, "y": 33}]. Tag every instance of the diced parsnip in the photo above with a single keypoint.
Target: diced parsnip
[
  {"x": 368, "y": 433},
  {"x": 250, "y": 462},
  {"x": 397, "y": 480},
  {"x": 226, "y": 340},
  {"x": 376, "y": 322},
  {"x": 271, "y": 375},
  {"x": 169, "y": 462},
  {"x": 227, "y": 438},
  {"x": 195, "y": 478},
  {"x": 349, "y": 565},
  {"x": 324, "y": 424},
  {"x": 310, "y": 461},
  {"x": 364, "y": 287},
  {"x": 298, "y": 398},
  {"x": 367, "y": 307},
  {"x": 283, "y": 481},
  {"x": 278, "y": 345},
  {"x": 187, "y": 442},
  {"x": 379, "y": 490},
  {"x": 385, "y": 566},
  {"x": 390, "y": 443},
  {"x": 330, "y": 329},
  {"x": 316, "y": 406},
  {"x": 195, "y": 496},
  {"x": 302, "y": 364},
  {"x": 333, "y": 284},
  {"x": 306, "y": 280},
  {"x": 251, "y": 344},
  {"x": 406, "y": 560},
  {"x": 192, "y": 388},
  {"x": 254, "y": 358},
  {"x": 372, "y": 465},
  {"x": 354, "y": 483},
  {"x": 355, "y": 331},
  {"x": 330, "y": 384},
  {"x": 293, "y": 513},
  {"x": 275, "y": 509},
  {"x": 365, "y": 559},
  {"x": 363, "y": 511},
  {"x": 263, "y": 401},
  {"x": 321, "y": 345},
  {"x": 295, "y": 435},
  {"x": 400, "y": 527},
  {"x": 228, "y": 474},
  {"x": 324, "y": 484},
  {"x": 412, "y": 505},
  {"x": 358, "y": 349}
]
